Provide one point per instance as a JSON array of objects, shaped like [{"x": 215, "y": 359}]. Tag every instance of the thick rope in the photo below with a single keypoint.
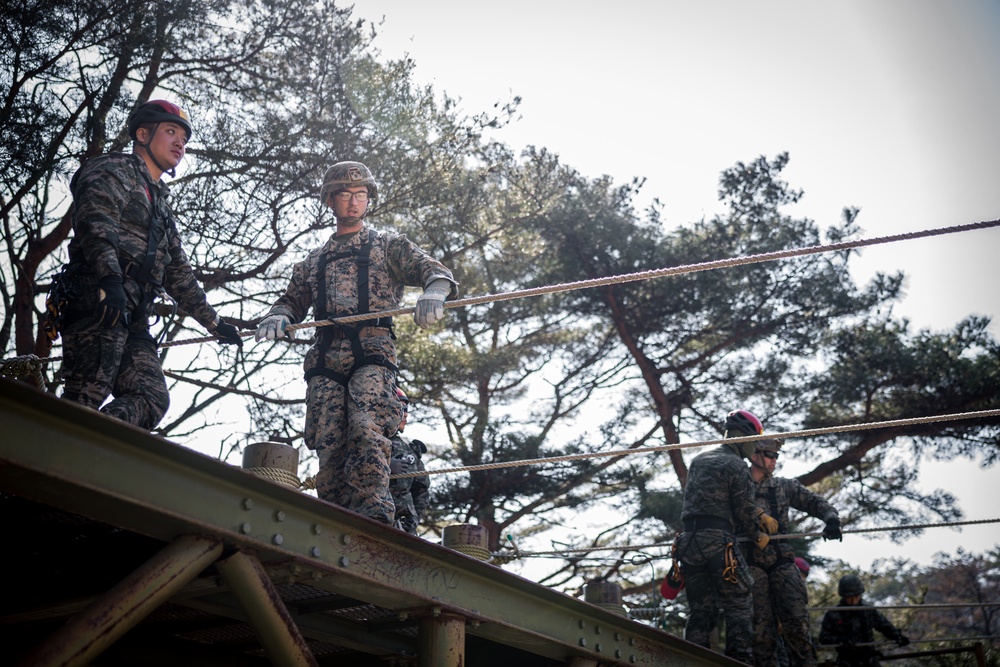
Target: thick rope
[
  {"x": 642, "y": 547},
  {"x": 893, "y": 423},
  {"x": 279, "y": 475},
  {"x": 25, "y": 366},
  {"x": 627, "y": 278}
]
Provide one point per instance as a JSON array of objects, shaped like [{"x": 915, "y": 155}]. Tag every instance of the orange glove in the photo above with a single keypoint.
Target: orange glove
[{"x": 766, "y": 522}]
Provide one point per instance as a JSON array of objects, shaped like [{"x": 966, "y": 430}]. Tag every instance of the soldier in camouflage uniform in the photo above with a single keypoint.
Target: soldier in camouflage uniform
[
  {"x": 849, "y": 628},
  {"x": 409, "y": 494},
  {"x": 125, "y": 251},
  {"x": 779, "y": 593},
  {"x": 351, "y": 404},
  {"x": 718, "y": 504}
]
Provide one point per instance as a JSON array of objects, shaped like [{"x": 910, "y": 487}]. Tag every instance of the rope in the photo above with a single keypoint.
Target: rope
[
  {"x": 957, "y": 605},
  {"x": 279, "y": 475},
  {"x": 628, "y": 277},
  {"x": 893, "y": 423},
  {"x": 479, "y": 553},
  {"x": 641, "y": 547},
  {"x": 916, "y": 641},
  {"x": 25, "y": 366}
]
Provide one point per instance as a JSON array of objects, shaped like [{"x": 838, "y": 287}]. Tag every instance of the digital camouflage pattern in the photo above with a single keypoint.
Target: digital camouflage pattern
[
  {"x": 396, "y": 262},
  {"x": 409, "y": 494},
  {"x": 718, "y": 486},
  {"x": 113, "y": 208},
  {"x": 849, "y": 627},
  {"x": 780, "y": 595},
  {"x": 350, "y": 428}
]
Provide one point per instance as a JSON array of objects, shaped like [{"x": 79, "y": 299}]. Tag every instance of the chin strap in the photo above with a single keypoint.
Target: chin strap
[{"x": 172, "y": 171}]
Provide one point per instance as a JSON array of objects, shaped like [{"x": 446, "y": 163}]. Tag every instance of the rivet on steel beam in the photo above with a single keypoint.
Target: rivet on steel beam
[
  {"x": 631, "y": 641},
  {"x": 597, "y": 647},
  {"x": 597, "y": 629},
  {"x": 474, "y": 624},
  {"x": 279, "y": 515},
  {"x": 345, "y": 539},
  {"x": 618, "y": 636},
  {"x": 632, "y": 659},
  {"x": 583, "y": 641},
  {"x": 618, "y": 653},
  {"x": 248, "y": 503},
  {"x": 582, "y": 624},
  {"x": 314, "y": 552},
  {"x": 245, "y": 528},
  {"x": 317, "y": 529},
  {"x": 345, "y": 561},
  {"x": 277, "y": 539}
]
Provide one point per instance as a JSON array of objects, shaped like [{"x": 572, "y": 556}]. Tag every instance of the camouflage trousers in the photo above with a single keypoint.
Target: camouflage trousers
[
  {"x": 780, "y": 597},
  {"x": 703, "y": 561},
  {"x": 118, "y": 362},
  {"x": 349, "y": 428}
]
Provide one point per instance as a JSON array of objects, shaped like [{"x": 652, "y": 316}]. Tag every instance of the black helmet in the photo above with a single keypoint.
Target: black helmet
[
  {"x": 158, "y": 111},
  {"x": 850, "y": 584}
]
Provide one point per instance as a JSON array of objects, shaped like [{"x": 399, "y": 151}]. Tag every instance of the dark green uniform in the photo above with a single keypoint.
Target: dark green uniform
[{"x": 847, "y": 627}]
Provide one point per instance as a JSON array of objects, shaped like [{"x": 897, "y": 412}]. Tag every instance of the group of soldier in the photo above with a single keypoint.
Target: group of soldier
[
  {"x": 756, "y": 584},
  {"x": 126, "y": 253}
]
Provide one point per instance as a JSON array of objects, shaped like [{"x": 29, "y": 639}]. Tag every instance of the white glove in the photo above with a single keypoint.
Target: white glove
[
  {"x": 430, "y": 305},
  {"x": 272, "y": 327}
]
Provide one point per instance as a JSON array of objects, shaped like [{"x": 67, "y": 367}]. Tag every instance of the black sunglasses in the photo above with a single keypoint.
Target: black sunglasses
[{"x": 770, "y": 455}]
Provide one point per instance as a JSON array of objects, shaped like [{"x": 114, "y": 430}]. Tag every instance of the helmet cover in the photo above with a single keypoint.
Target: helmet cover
[{"x": 345, "y": 175}]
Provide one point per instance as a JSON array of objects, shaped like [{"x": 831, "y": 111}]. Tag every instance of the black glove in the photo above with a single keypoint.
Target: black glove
[
  {"x": 111, "y": 306},
  {"x": 228, "y": 334},
  {"x": 902, "y": 639},
  {"x": 832, "y": 530}
]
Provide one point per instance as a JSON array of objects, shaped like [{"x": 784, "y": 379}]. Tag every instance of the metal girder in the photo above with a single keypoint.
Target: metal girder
[
  {"x": 109, "y": 617},
  {"x": 61, "y": 454}
]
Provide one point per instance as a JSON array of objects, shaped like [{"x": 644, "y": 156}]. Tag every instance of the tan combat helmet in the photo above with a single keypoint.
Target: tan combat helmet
[{"x": 345, "y": 175}]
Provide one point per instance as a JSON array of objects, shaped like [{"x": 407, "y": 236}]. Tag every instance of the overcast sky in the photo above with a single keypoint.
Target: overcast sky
[{"x": 890, "y": 106}]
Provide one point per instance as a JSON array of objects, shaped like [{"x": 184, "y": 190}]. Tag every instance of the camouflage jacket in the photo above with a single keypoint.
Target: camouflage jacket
[
  {"x": 114, "y": 203},
  {"x": 775, "y": 495},
  {"x": 719, "y": 485},
  {"x": 395, "y": 262}
]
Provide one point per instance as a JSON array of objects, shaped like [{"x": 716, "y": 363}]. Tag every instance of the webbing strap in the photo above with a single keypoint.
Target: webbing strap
[{"x": 363, "y": 259}]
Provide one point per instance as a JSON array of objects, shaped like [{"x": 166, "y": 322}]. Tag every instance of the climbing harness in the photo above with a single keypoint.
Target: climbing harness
[{"x": 353, "y": 333}]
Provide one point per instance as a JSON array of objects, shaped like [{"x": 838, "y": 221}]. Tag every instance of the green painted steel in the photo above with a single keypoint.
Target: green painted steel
[{"x": 60, "y": 454}]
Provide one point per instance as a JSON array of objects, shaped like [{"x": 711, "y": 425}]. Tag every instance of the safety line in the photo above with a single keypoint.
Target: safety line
[
  {"x": 638, "y": 547},
  {"x": 940, "y": 605},
  {"x": 893, "y": 423},
  {"x": 913, "y": 641},
  {"x": 630, "y": 277}
]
